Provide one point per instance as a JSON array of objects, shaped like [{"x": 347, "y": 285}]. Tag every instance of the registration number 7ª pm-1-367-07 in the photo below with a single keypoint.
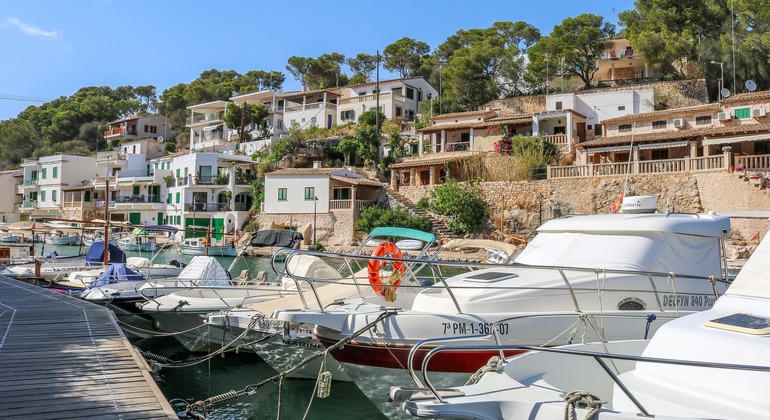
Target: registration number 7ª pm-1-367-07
[{"x": 473, "y": 328}]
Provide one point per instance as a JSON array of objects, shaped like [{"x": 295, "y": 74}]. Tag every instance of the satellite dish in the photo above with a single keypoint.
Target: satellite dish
[
  {"x": 725, "y": 92},
  {"x": 160, "y": 147},
  {"x": 160, "y": 139},
  {"x": 751, "y": 85}
]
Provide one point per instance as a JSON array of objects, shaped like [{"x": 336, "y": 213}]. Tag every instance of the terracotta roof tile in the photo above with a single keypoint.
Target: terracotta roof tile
[
  {"x": 357, "y": 181},
  {"x": 663, "y": 113},
  {"x": 677, "y": 135},
  {"x": 304, "y": 171},
  {"x": 462, "y": 114},
  {"x": 433, "y": 159},
  {"x": 751, "y": 96}
]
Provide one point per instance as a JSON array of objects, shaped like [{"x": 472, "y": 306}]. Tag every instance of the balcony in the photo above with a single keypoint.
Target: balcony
[
  {"x": 119, "y": 131},
  {"x": 206, "y": 207},
  {"x": 384, "y": 96},
  {"x": 315, "y": 105},
  {"x": 347, "y": 204},
  {"x": 664, "y": 166},
  {"x": 28, "y": 182},
  {"x": 28, "y": 160},
  {"x": 28, "y": 205},
  {"x": 199, "y": 118}
]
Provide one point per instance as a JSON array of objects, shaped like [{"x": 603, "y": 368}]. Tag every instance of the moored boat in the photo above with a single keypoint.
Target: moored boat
[{"x": 201, "y": 246}]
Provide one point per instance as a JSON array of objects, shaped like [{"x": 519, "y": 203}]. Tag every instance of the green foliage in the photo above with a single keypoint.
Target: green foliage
[
  {"x": 377, "y": 216},
  {"x": 240, "y": 116},
  {"x": 577, "y": 42},
  {"x": 396, "y": 144},
  {"x": 404, "y": 56},
  {"x": 423, "y": 203},
  {"x": 318, "y": 73},
  {"x": 371, "y": 118},
  {"x": 169, "y": 146},
  {"x": 258, "y": 194},
  {"x": 463, "y": 207},
  {"x": 362, "y": 66},
  {"x": 368, "y": 147}
]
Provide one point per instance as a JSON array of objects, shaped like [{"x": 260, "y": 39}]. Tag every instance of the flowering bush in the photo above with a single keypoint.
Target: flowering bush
[
  {"x": 739, "y": 169},
  {"x": 754, "y": 177},
  {"x": 503, "y": 145}
]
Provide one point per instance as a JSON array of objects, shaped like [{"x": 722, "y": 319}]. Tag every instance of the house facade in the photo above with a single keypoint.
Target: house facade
[
  {"x": 45, "y": 179},
  {"x": 313, "y": 108},
  {"x": 206, "y": 124},
  {"x": 398, "y": 98},
  {"x": 259, "y": 136},
  {"x": 137, "y": 126}
]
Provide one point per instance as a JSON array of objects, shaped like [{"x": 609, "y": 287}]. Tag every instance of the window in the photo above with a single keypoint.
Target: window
[
  {"x": 622, "y": 108},
  {"x": 409, "y": 93},
  {"x": 55, "y": 172},
  {"x": 598, "y": 130},
  {"x": 43, "y": 173},
  {"x": 659, "y": 125},
  {"x": 33, "y": 175},
  {"x": 398, "y": 91},
  {"x": 465, "y": 137},
  {"x": 348, "y": 115},
  {"x": 42, "y": 194},
  {"x": 178, "y": 197},
  {"x": 313, "y": 121},
  {"x": 703, "y": 120},
  {"x": 168, "y": 199},
  {"x": 279, "y": 124},
  {"x": 280, "y": 105},
  {"x": 742, "y": 113},
  {"x": 292, "y": 123},
  {"x": 624, "y": 128},
  {"x": 398, "y": 111},
  {"x": 309, "y": 193},
  {"x": 281, "y": 194},
  {"x": 53, "y": 195},
  {"x": 559, "y": 105}
]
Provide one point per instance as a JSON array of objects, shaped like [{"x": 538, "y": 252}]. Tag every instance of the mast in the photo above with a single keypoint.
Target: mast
[{"x": 107, "y": 212}]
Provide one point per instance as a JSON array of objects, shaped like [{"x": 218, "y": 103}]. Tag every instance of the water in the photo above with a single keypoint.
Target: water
[{"x": 235, "y": 371}]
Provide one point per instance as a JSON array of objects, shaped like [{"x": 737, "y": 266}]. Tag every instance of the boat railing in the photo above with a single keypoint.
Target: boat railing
[
  {"x": 149, "y": 292},
  {"x": 437, "y": 278},
  {"x": 598, "y": 356},
  {"x": 589, "y": 320}
]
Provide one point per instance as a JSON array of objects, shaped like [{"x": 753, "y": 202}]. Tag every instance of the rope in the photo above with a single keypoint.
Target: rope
[
  {"x": 388, "y": 291},
  {"x": 253, "y": 388},
  {"x": 493, "y": 365},
  {"x": 581, "y": 399},
  {"x": 650, "y": 318}
]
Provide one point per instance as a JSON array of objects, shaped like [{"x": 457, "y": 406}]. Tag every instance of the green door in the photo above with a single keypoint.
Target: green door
[
  {"x": 199, "y": 229},
  {"x": 135, "y": 218},
  {"x": 160, "y": 218},
  {"x": 218, "y": 226},
  {"x": 136, "y": 190}
]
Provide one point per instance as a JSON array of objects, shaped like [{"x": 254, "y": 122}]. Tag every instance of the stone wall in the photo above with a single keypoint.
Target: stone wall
[{"x": 333, "y": 228}]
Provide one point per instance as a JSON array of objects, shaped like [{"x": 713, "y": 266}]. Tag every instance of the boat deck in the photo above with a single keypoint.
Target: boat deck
[{"x": 61, "y": 357}]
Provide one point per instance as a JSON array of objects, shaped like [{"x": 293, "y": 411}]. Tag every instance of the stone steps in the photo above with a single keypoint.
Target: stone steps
[{"x": 439, "y": 228}]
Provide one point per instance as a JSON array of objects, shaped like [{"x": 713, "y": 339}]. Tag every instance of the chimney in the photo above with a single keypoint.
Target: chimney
[{"x": 316, "y": 164}]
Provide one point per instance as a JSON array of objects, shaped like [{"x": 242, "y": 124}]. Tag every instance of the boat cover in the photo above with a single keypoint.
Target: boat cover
[
  {"x": 116, "y": 273},
  {"x": 95, "y": 254},
  {"x": 276, "y": 237},
  {"x": 205, "y": 271},
  {"x": 753, "y": 280}
]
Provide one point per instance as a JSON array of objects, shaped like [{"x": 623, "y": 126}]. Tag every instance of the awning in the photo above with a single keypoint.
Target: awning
[
  {"x": 736, "y": 139},
  {"x": 668, "y": 145},
  {"x": 625, "y": 148},
  {"x": 211, "y": 127}
]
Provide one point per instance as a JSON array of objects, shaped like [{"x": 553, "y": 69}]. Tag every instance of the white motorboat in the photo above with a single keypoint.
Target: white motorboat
[
  {"x": 200, "y": 246},
  {"x": 53, "y": 270},
  {"x": 711, "y": 364},
  {"x": 58, "y": 237},
  {"x": 142, "y": 243},
  {"x": 622, "y": 268},
  {"x": 248, "y": 327},
  {"x": 11, "y": 238},
  {"x": 185, "y": 320}
]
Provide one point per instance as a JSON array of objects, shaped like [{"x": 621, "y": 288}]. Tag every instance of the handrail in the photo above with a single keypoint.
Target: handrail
[
  {"x": 439, "y": 280},
  {"x": 597, "y": 356},
  {"x": 495, "y": 333}
]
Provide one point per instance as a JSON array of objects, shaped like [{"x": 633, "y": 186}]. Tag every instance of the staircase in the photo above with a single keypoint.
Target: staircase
[
  {"x": 759, "y": 182},
  {"x": 438, "y": 228}
]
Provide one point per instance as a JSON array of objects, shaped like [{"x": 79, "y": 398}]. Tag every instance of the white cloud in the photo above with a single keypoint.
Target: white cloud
[{"x": 29, "y": 29}]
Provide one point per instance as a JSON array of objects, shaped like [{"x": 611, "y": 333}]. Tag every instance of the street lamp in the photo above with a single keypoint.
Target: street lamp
[
  {"x": 721, "y": 77},
  {"x": 315, "y": 215}
]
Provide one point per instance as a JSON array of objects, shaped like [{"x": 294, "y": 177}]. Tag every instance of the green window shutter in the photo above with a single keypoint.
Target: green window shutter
[
  {"x": 42, "y": 195},
  {"x": 178, "y": 196},
  {"x": 309, "y": 193},
  {"x": 55, "y": 173},
  {"x": 43, "y": 173},
  {"x": 53, "y": 195},
  {"x": 281, "y": 194},
  {"x": 177, "y": 172},
  {"x": 742, "y": 113}
]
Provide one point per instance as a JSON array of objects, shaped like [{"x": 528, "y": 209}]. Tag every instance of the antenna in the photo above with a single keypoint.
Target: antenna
[
  {"x": 160, "y": 139},
  {"x": 725, "y": 92},
  {"x": 160, "y": 147},
  {"x": 751, "y": 85}
]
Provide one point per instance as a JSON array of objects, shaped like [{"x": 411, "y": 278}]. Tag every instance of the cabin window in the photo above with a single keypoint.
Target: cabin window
[
  {"x": 281, "y": 194},
  {"x": 659, "y": 125},
  {"x": 43, "y": 173}
]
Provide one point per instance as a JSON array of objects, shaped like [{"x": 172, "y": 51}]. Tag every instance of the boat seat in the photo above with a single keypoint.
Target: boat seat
[{"x": 242, "y": 278}]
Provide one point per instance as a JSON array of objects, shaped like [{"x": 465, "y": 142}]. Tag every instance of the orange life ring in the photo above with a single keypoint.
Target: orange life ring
[{"x": 385, "y": 249}]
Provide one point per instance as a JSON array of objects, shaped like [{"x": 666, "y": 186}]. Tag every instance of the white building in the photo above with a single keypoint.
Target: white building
[
  {"x": 137, "y": 126},
  {"x": 45, "y": 179},
  {"x": 207, "y": 125},
  {"x": 260, "y": 136},
  {"x": 398, "y": 98}
]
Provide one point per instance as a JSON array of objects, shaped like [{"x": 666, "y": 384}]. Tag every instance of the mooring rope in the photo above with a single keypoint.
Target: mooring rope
[
  {"x": 581, "y": 399},
  {"x": 192, "y": 409}
]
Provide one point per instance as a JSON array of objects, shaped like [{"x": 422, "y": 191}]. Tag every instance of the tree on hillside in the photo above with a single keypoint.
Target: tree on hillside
[
  {"x": 18, "y": 139},
  {"x": 404, "y": 56},
  {"x": 299, "y": 67},
  {"x": 362, "y": 65},
  {"x": 240, "y": 116},
  {"x": 335, "y": 61},
  {"x": 265, "y": 80},
  {"x": 578, "y": 41},
  {"x": 148, "y": 99}
]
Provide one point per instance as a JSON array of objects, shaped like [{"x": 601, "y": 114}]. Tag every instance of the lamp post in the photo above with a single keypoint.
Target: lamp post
[
  {"x": 540, "y": 208},
  {"x": 315, "y": 215},
  {"x": 721, "y": 77}
]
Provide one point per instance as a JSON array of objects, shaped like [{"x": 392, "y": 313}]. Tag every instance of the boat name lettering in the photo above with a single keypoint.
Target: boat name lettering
[
  {"x": 309, "y": 344},
  {"x": 683, "y": 300},
  {"x": 473, "y": 328}
]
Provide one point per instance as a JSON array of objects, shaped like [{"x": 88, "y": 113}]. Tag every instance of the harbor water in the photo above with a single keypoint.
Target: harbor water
[{"x": 234, "y": 372}]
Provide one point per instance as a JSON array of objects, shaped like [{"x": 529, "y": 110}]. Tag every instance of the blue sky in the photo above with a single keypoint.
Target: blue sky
[{"x": 53, "y": 48}]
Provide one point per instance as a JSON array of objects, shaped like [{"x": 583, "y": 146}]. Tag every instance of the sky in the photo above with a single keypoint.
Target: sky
[{"x": 53, "y": 48}]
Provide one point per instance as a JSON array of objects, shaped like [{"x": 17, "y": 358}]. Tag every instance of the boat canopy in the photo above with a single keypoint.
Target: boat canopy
[
  {"x": 147, "y": 229},
  {"x": 682, "y": 223},
  {"x": 205, "y": 271},
  {"x": 95, "y": 254},
  {"x": 400, "y": 232},
  {"x": 116, "y": 273},
  {"x": 277, "y": 237},
  {"x": 753, "y": 281}
]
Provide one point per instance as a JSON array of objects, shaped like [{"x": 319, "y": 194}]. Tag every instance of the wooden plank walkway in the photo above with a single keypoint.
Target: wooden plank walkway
[{"x": 61, "y": 357}]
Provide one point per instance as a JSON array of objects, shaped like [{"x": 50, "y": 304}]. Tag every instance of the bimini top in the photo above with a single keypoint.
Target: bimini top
[
  {"x": 400, "y": 232},
  {"x": 679, "y": 243},
  {"x": 681, "y": 223},
  {"x": 276, "y": 237},
  {"x": 116, "y": 273},
  {"x": 95, "y": 254}
]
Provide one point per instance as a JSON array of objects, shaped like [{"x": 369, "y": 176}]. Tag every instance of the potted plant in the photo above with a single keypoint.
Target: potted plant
[{"x": 727, "y": 148}]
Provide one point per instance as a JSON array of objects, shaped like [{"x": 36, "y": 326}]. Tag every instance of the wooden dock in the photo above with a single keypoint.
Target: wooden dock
[{"x": 61, "y": 357}]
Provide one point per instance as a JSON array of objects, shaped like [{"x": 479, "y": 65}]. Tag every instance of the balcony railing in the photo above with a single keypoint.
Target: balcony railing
[
  {"x": 32, "y": 181},
  {"x": 206, "y": 207},
  {"x": 138, "y": 198},
  {"x": 679, "y": 165},
  {"x": 314, "y": 105},
  {"x": 384, "y": 96},
  {"x": 755, "y": 162},
  {"x": 29, "y": 160},
  {"x": 347, "y": 204},
  {"x": 213, "y": 116},
  {"x": 119, "y": 131},
  {"x": 559, "y": 138},
  {"x": 29, "y": 204},
  {"x": 241, "y": 207}
]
